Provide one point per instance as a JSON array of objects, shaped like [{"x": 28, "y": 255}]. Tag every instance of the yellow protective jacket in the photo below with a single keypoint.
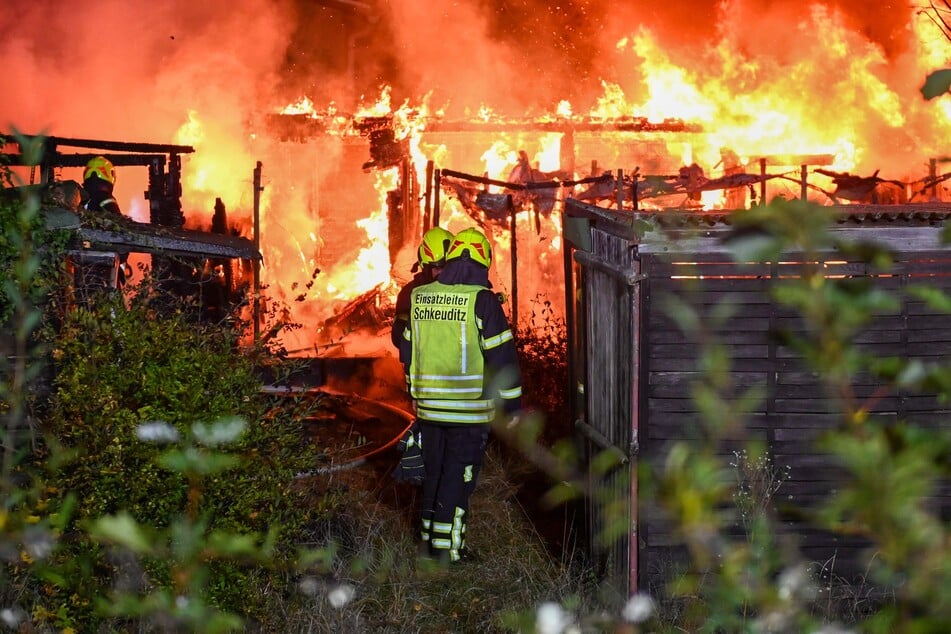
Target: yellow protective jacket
[{"x": 459, "y": 353}]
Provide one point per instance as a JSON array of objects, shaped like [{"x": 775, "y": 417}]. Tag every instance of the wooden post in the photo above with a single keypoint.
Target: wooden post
[
  {"x": 436, "y": 187},
  {"x": 620, "y": 190},
  {"x": 594, "y": 167},
  {"x": 803, "y": 177},
  {"x": 256, "y": 269},
  {"x": 933, "y": 173},
  {"x": 634, "y": 188},
  {"x": 762, "y": 185},
  {"x": 636, "y": 312},
  {"x": 514, "y": 264},
  {"x": 428, "y": 204}
]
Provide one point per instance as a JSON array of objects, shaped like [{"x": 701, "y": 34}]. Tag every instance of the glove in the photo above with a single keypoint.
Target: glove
[{"x": 410, "y": 468}]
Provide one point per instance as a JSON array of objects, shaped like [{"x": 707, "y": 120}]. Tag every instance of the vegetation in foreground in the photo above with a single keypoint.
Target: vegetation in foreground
[{"x": 149, "y": 484}]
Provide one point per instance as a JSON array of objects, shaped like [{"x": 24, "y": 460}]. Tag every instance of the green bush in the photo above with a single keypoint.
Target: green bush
[{"x": 118, "y": 368}]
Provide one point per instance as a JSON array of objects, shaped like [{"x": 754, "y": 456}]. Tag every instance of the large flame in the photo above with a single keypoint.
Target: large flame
[{"x": 753, "y": 79}]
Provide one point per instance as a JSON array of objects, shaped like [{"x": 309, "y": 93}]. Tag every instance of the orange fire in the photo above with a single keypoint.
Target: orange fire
[
  {"x": 745, "y": 106},
  {"x": 750, "y": 80}
]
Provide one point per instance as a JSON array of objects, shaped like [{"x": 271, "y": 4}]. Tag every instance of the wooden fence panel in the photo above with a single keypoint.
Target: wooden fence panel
[
  {"x": 796, "y": 411},
  {"x": 610, "y": 340}
]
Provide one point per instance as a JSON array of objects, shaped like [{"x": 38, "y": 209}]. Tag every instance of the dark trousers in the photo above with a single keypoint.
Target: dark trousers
[{"x": 452, "y": 455}]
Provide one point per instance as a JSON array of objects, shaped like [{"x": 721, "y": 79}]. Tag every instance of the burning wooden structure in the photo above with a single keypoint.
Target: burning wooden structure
[
  {"x": 517, "y": 208},
  {"x": 209, "y": 266},
  {"x": 633, "y": 367}
]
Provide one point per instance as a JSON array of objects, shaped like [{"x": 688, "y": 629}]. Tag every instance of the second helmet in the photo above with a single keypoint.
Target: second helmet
[
  {"x": 433, "y": 248},
  {"x": 101, "y": 167},
  {"x": 473, "y": 242}
]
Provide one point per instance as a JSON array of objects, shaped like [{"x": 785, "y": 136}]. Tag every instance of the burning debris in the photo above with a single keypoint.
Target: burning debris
[
  {"x": 862, "y": 188},
  {"x": 541, "y": 200},
  {"x": 370, "y": 312},
  {"x": 385, "y": 149}
]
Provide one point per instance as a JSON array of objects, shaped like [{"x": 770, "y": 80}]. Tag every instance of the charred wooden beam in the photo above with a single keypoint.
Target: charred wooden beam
[
  {"x": 170, "y": 242},
  {"x": 115, "y": 146},
  {"x": 124, "y": 235},
  {"x": 523, "y": 186},
  {"x": 80, "y": 160},
  {"x": 300, "y": 127}
]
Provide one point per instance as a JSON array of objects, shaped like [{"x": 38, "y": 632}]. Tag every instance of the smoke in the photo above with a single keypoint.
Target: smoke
[
  {"x": 139, "y": 70},
  {"x": 524, "y": 56},
  {"x": 135, "y": 69}
]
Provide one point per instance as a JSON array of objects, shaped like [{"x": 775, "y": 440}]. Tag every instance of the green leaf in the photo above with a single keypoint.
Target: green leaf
[
  {"x": 232, "y": 544},
  {"x": 31, "y": 148},
  {"x": 221, "y": 432},
  {"x": 758, "y": 247},
  {"x": 122, "y": 529},
  {"x": 561, "y": 493},
  {"x": 934, "y": 297},
  {"x": 937, "y": 83},
  {"x": 192, "y": 460}
]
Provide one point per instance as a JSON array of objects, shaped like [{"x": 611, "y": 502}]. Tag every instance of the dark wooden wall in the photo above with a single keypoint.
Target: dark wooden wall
[
  {"x": 636, "y": 356},
  {"x": 796, "y": 409}
]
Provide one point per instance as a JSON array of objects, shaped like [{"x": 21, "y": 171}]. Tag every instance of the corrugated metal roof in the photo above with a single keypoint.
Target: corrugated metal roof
[{"x": 917, "y": 214}]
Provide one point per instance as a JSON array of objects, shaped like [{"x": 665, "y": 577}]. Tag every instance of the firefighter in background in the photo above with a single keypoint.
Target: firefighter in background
[
  {"x": 431, "y": 258},
  {"x": 99, "y": 180},
  {"x": 462, "y": 372}
]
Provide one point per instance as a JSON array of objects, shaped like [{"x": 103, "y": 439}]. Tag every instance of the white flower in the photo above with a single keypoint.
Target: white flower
[
  {"x": 638, "y": 608},
  {"x": 12, "y": 617},
  {"x": 156, "y": 431},
  {"x": 308, "y": 586},
  {"x": 341, "y": 595},
  {"x": 795, "y": 582},
  {"x": 38, "y": 543},
  {"x": 550, "y": 618}
]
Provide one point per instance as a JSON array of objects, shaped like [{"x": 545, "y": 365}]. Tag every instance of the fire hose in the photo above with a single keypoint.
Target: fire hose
[{"x": 398, "y": 413}]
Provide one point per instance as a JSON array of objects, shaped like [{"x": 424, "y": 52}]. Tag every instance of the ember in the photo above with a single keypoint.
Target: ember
[{"x": 690, "y": 108}]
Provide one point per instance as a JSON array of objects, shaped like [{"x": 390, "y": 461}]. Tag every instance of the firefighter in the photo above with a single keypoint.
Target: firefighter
[
  {"x": 462, "y": 372},
  {"x": 99, "y": 179},
  {"x": 431, "y": 258}
]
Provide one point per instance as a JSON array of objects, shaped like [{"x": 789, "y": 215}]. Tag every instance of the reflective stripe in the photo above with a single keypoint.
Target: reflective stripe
[
  {"x": 446, "y": 377},
  {"x": 455, "y": 535},
  {"x": 421, "y": 392},
  {"x": 440, "y": 416},
  {"x": 514, "y": 392},
  {"x": 456, "y": 411},
  {"x": 458, "y": 534},
  {"x": 497, "y": 340},
  {"x": 456, "y": 405}
]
